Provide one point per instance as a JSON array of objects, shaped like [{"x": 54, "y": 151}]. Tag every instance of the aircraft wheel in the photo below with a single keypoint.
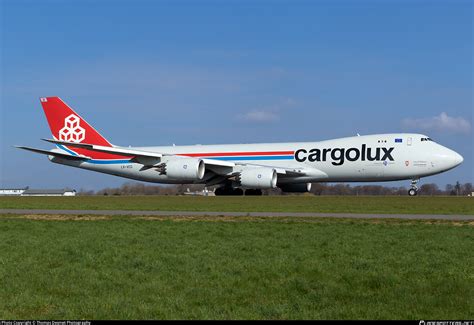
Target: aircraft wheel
[
  {"x": 238, "y": 192},
  {"x": 412, "y": 192},
  {"x": 224, "y": 191},
  {"x": 251, "y": 192}
]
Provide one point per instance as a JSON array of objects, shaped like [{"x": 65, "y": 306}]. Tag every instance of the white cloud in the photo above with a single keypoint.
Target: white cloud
[
  {"x": 268, "y": 113},
  {"x": 442, "y": 123},
  {"x": 260, "y": 116}
]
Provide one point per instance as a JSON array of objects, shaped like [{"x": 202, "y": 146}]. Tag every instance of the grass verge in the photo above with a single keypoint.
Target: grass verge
[
  {"x": 336, "y": 204},
  {"x": 95, "y": 267}
]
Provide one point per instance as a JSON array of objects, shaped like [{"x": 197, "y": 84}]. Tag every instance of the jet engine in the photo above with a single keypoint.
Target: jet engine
[
  {"x": 260, "y": 178},
  {"x": 296, "y": 188},
  {"x": 183, "y": 168}
]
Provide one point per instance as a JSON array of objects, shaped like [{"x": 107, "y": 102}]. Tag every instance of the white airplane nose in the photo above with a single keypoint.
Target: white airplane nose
[
  {"x": 457, "y": 158},
  {"x": 448, "y": 158}
]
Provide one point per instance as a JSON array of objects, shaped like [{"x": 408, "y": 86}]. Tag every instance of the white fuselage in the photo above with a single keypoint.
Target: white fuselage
[{"x": 380, "y": 157}]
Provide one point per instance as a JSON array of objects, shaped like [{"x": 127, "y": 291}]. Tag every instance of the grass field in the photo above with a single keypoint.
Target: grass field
[
  {"x": 349, "y": 204},
  {"x": 234, "y": 268}
]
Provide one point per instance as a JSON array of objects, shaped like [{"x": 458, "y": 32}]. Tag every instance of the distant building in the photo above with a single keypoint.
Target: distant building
[
  {"x": 204, "y": 192},
  {"x": 32, "y": 192},
  {"x": 62, "y": 192},
  {"x": 12, "y": 191}
]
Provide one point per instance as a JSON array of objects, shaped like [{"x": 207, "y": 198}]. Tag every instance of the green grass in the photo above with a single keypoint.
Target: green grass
[
  {"x": 225, "y": 268},
  {"x": 350, "y": 204}
]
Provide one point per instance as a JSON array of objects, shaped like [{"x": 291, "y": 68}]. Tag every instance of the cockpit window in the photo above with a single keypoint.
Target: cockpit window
[{"x": 426, "y": 139}]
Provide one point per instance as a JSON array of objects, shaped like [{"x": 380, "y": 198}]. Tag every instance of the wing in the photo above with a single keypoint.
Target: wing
[
  {"x": 147, "y": 158},
  {"x": 221, "y": 170}
]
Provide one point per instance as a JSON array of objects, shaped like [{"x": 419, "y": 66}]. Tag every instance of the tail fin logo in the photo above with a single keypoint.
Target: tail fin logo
[{"x": 72, "y": 131}]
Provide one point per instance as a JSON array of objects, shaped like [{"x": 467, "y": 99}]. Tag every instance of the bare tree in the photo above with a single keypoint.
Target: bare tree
[
  {"x": 429, "y": 189},
  {"x": 467, "y": 189}
]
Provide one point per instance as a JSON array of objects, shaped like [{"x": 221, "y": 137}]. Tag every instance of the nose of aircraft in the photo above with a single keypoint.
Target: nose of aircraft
[
  {"x": 447, "y": 158},
  {"x": 453, "y": 159},
  {"x": 457, "y": 158}
]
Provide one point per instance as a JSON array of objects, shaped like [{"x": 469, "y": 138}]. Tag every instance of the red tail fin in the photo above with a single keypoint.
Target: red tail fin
[{"x": 67, "y": 125}]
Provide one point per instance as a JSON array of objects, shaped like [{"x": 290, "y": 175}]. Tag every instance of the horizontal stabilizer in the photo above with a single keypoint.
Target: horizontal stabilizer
[
  {"x": 112, "y": 150},
  {"x": 54, "y": 153}
]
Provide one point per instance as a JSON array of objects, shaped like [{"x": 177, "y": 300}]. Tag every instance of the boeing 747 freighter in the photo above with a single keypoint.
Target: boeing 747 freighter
[{"x": 236, "y": 168}]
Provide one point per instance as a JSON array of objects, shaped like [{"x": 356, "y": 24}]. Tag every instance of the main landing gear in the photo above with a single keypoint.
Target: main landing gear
[
  {"x": 251, "y": 192},
  {"x": 413, "y": 191},
  {"x": 228, "y": 190}
]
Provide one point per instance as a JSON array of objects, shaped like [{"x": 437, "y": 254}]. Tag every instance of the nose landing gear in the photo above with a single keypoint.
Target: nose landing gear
[{"x": 413, "y": 191}]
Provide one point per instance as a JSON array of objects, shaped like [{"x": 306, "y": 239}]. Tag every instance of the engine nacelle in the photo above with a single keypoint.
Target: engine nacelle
[
  {"x": 260, "y": 178},
  {"x": 296, "y": 188},
  {"x": 185, "y": 168}
]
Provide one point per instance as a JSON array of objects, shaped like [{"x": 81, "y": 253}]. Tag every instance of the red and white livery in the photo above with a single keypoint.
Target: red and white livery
[{"x": 250, "y": 167}]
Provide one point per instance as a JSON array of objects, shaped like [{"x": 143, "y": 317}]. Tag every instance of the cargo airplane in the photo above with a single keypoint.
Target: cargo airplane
[{"x": 291, "y": 166}]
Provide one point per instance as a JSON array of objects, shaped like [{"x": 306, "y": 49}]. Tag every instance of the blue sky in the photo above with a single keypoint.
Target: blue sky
[{"x": 186, "y": 72}]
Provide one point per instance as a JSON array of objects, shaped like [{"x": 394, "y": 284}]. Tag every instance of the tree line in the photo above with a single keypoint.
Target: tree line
[{"x": 134, "y": 188}]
